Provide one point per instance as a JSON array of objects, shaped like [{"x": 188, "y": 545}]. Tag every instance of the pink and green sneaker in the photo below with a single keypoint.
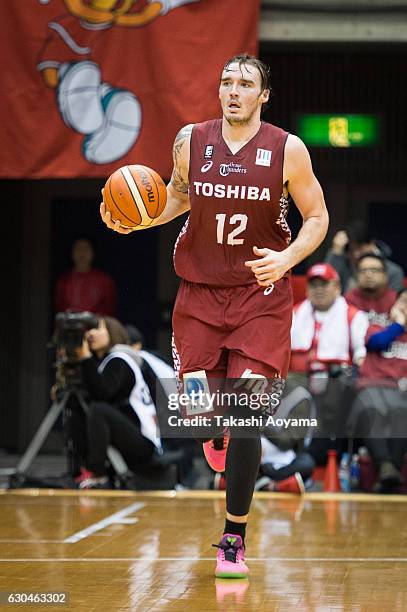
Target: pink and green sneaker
[
  {"x": 230, "y": 558},
  {"x": 215, "y": 452}
]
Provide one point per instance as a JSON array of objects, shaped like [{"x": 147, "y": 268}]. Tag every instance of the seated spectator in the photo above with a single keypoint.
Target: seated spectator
[
  {"x": 285, "y": 471},
  {"x": 84, "y": 287},
  {"x": 379, "y": 414},
  {"x": 348, "y": 245},
  {"x": 119, "y": 411},
  {"x": 327, "y": 341},
  {"x": 137, "y": 341},
  {"x": 286, "y": 464},
  {"x": 326, "y": 331},
  {"x": 136, "y": 338},
  {"x": 372, "y": 294},
  {"x": 161, "y": 381}
]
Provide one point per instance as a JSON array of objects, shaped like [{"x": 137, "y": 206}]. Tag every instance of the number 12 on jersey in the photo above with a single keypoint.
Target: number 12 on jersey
[{"x": 231, "y": 236}]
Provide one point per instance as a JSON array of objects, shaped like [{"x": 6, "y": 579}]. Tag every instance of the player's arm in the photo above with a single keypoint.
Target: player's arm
[
  {"x": 307, "y": 194},
  {"x": 177, "y": 189}
]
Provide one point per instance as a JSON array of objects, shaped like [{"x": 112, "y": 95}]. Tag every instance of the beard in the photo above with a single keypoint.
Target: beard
[
  {"x": 370, "y": 290},
  {"x": 232, "y": 120},
  {"x": 239, "y": 121}
]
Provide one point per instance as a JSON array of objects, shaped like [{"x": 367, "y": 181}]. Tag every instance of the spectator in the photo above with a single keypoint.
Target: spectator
[
  {"x": 372, "y": 294},
  {"x": 120, "y": 411},
  {"x": 281, "y": 470},
  {"x": 84, "y": 287},
  {"x": 155, "y": 369},
  {"x": 137, "y": 341},
  {"x": 161, "y": 381},
  {"x": 286, "y": 465},
  {"x": 379, "y": 414},
  {"x": 327, "y": 341},
  {"x": 348, "y": 245},
  {"x": 326, "y": 331},
  {"x": 136, "y": 338}
]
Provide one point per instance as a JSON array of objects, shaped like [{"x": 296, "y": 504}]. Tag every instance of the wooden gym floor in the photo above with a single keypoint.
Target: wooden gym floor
[{"x": 122, "y": 550}]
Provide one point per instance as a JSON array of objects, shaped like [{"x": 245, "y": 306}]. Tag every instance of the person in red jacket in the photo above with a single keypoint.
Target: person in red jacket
[
  {"x": 379, "y": 414},
  {"x": 84, "y": 287}
]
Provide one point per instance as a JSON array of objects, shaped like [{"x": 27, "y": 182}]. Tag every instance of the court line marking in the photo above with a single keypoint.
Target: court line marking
[
  {"x": 13, "y": 541},
  {"x": 319, "y": 496},
  {"x": 114, "y": 519},
  {"x": 189, "y": 559}
]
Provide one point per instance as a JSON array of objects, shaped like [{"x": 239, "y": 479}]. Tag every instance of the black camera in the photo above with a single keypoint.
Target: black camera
[{"x": 70, "y": 328}]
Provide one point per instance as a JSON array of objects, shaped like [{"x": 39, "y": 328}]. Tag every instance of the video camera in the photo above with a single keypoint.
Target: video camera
[{"x": 70, "y": 328}]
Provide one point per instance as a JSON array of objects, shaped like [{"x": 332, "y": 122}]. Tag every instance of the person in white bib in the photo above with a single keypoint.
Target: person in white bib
[{"x": 120, "y": 411}]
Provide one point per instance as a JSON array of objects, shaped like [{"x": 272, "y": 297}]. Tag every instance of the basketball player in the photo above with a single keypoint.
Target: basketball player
[{"x": 232, "y": 315}]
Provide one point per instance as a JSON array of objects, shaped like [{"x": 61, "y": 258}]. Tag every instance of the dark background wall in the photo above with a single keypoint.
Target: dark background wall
[
  {"x": 131, "y": 260},
  {"x": 358, "y": 182},
  {"x": 42, "y": 218}
]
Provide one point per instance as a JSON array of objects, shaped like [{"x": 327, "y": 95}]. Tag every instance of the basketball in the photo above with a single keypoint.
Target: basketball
[{"x": 135, "y": 195}]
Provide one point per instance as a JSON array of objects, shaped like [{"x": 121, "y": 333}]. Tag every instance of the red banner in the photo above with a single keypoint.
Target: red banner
[{"x": 92, "y": 85}]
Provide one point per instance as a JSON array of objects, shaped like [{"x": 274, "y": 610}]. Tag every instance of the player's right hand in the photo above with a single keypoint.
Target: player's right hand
[{"x": 111, "y": 223}]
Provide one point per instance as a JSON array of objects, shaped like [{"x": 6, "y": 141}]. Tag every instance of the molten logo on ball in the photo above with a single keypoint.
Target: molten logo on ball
[
  {"x": 135, "y": 195},
  {"x": 147, "y": 185}
]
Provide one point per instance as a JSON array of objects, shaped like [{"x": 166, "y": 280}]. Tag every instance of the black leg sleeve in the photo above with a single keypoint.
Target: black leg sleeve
[{"x": 242, "y": 467}]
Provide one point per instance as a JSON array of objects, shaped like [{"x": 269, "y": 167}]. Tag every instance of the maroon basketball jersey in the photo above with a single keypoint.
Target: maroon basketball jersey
[{"x": 237, "y": 202}]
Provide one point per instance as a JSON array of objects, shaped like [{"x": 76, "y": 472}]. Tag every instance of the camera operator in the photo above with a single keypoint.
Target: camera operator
[
  {"x": 327, "y": 342},
  {"x": 119, "y": 410}
]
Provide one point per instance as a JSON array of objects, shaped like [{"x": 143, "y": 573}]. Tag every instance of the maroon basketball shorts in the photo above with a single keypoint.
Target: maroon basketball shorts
[{"x": 233, "y": 333}]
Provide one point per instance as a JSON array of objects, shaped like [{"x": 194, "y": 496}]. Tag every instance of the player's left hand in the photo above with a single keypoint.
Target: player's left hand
[{"x": 270, "y": 267}]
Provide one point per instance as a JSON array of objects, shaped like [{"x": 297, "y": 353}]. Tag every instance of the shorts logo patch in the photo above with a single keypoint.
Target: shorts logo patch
[
  {"x": 268, "y": 289},
  {"x": 196, "y": 387},
  {"x": 255, "y": 383}
]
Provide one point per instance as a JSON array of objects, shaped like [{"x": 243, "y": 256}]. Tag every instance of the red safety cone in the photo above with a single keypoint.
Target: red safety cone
[{"x": 331, "y": 480}]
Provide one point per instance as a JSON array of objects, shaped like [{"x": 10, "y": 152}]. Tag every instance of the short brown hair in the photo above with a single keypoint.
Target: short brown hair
[{"x": 244, "y": 58}]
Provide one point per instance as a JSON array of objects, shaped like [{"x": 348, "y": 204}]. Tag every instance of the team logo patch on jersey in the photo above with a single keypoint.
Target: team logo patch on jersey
[
  {"x": 263, "y": 157},
  {"x": 225, "y": 169},
  {"x": 208, "y": 152},
  {"x": 207, "y": 166}
]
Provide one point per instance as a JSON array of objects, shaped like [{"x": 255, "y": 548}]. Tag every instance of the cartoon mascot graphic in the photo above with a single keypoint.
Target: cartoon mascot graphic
[{"x": 109, "y": 118}]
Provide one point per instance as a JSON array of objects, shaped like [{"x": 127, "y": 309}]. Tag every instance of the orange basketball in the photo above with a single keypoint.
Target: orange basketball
[{"x": 135, "y": 195}]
